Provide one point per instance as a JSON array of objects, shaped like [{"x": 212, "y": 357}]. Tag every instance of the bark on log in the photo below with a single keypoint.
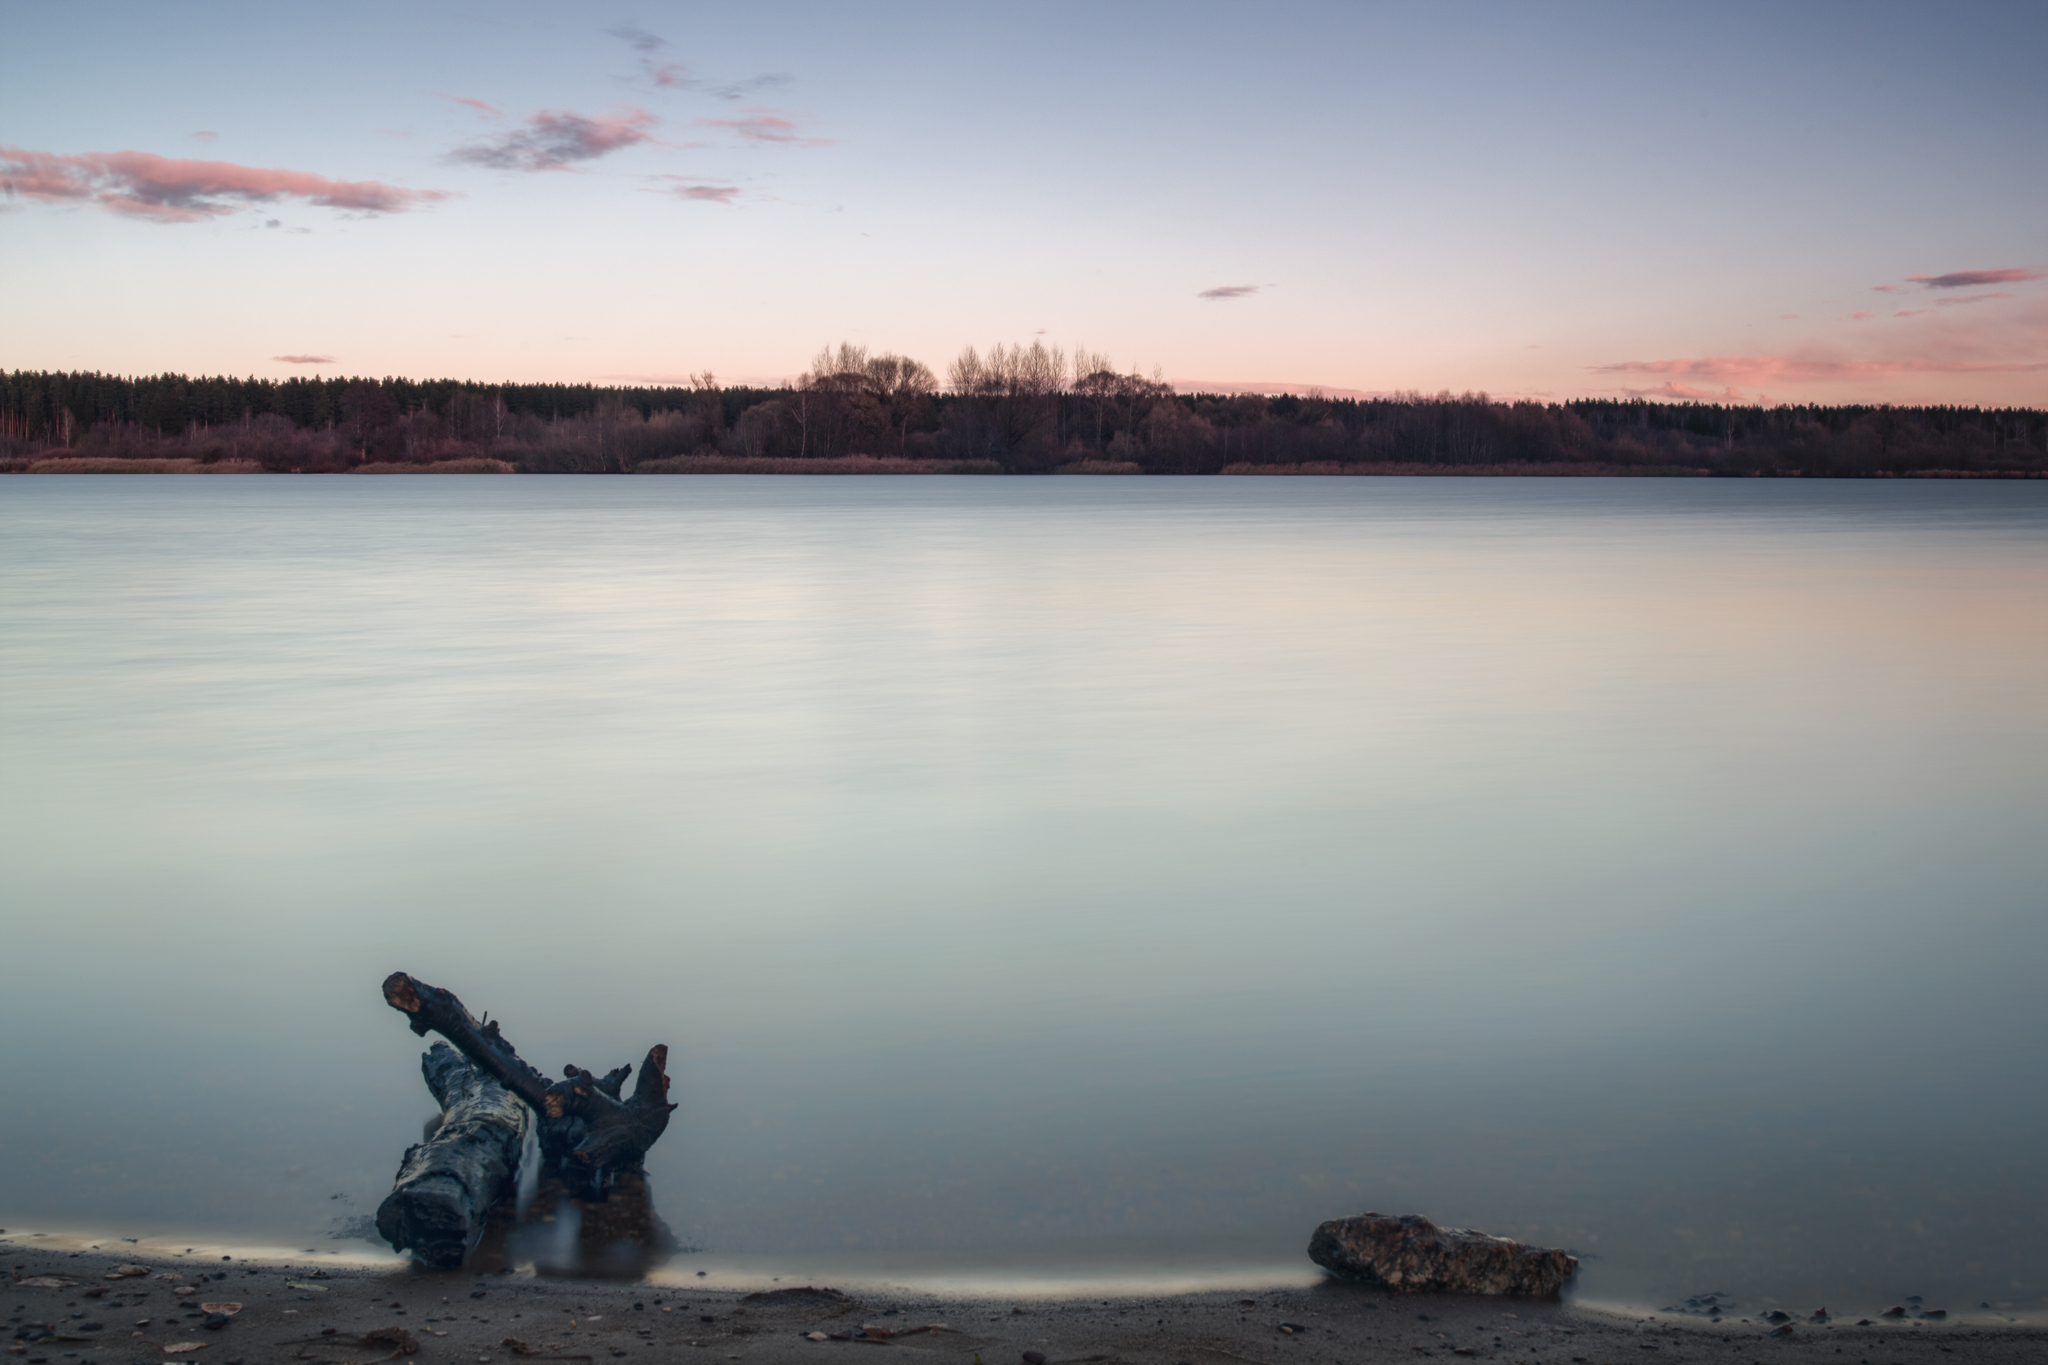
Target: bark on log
[
  {"x": 588, "y": 1134},
  {"x": 447, "y": 1184}
]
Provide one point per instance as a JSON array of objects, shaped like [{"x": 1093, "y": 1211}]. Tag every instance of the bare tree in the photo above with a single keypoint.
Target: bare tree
[{"x": 1011, "y": 397}]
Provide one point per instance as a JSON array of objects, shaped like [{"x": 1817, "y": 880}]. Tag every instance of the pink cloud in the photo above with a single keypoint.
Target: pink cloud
[
  {"x": 675, "y": 76},
  {"x": 1961, "y": 299},
  {"x": 144, "y": 185},
  {"x": 714, "y": 194},
  {"x": 479, "y": 105},
  {"x": 1229, "y": 291},
  {"x": 553, "y": 140},
  {"x": 1888, "y": 289},
  {"x": 1973, "y": 279},
  {"x": 1860, "y": 316},
  {"x": 1808, "y": 368},
  {"x": 764, "y": 125},
  {"x": 304, "y": 359}
]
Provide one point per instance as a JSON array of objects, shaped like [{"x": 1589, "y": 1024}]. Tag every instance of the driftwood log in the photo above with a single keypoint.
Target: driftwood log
[
  {"x": 447, "y": 1184},
  {"x": 588, "y": 1134}
]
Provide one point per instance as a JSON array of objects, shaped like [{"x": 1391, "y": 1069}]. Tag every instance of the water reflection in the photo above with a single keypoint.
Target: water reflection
[
  {"x": 558, "y": 1233},
  {"x": 1650, "y": 868}
]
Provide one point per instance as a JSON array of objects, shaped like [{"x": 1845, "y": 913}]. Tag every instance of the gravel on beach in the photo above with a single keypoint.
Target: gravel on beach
[{"x": 100, "y": 1307}]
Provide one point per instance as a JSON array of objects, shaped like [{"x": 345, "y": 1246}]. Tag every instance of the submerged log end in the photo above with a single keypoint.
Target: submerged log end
[{"x": 433, "y": 1218}]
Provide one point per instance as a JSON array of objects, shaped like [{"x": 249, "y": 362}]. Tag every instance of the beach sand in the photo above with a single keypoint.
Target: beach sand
[{"x": 301, "y": 1311}]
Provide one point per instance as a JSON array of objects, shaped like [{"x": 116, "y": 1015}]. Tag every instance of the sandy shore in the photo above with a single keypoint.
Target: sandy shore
[{"x": 63, "y": 1309}]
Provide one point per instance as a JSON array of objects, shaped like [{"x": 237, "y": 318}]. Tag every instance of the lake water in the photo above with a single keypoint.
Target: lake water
[{"x": 1045, "y": 879}]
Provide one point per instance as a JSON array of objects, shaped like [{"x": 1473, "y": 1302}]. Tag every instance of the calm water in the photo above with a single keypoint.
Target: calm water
[{"x": 1042, "y": 876}]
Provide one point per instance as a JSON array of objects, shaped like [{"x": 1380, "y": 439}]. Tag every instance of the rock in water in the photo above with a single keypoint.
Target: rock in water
[{"x": 1412, "y": 1255}]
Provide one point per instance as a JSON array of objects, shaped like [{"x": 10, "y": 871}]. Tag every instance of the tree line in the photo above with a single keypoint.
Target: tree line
[{"x": 1013, "y": 408}]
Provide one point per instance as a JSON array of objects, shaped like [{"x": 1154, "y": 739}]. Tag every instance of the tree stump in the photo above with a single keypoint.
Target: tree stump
[
  {"x": 447, "y": 1184},
  {"x": 589, "y": 1136}
]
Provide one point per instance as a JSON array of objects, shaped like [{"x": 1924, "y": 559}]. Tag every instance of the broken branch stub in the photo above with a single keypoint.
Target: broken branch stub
[{"x": 587, "y": 1133}]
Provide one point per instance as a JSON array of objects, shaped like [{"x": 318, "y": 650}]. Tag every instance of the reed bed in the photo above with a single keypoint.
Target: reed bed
[
  {"x": 842, "y": 464},
  {"x": 103, "y": 464}
]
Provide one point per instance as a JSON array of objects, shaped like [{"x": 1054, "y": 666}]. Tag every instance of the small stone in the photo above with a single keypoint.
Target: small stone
[
  {"x": 1784, "y": 1331},
  {"x": 816, "y": 1336},
  {"x": 1895, "y": 1311},
  {"x": 1034, "y": 1358}
]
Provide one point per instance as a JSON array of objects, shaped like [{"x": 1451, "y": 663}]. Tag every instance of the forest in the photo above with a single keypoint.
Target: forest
[{"x": 1013, "y": 409}]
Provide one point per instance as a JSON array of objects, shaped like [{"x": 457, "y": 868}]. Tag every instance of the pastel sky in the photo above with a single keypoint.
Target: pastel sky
[{"x": 1794, "y": 202}]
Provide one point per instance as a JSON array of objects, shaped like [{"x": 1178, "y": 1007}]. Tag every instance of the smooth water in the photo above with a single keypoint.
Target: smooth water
[{"x": 1033, "y": 875}]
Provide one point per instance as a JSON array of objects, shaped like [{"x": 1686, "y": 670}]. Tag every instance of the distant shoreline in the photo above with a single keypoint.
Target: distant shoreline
[
  {"x": 855, "y": 413},
  {"x": 869, "y": 465}
]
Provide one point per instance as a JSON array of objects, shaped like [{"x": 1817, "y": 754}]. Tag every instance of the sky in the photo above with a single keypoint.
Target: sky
[{"x": 1781, "y": 203}]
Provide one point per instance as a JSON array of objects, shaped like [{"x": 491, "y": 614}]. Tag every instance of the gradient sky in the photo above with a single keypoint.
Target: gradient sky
[{"x": 1799, "y": 202}]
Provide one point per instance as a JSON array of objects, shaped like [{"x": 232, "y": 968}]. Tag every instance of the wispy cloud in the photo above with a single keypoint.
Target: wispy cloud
[
  {"x": 172, "y": 190},
  {"x": 481, "y": 106},
  {"x": 685, "y": 188},
  {"x": 555, "y": 140},
  {"x": 204, "y": 135},
  {"x": 304, "y": 359},
  {"x": 1976, "y": 279},
  {"x": 639, "y": 38},
  {"x": 1229, "y": 291},
  {"x": 676, "y": 76},
  {"x": 1960, "y": 300},
  {"x": 766, "y": 126},
  {"x": 1686, "y": 393},
  {"x": 753, "y": 85}
]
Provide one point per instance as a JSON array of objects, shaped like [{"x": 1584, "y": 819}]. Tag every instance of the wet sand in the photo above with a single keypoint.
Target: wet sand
[{"x": 350, "y": 1315}]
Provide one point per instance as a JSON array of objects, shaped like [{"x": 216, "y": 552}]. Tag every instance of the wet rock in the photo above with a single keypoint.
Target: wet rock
[
  {"x": 1412, "y": 1255},
  {"x": 1034, "y": 1358},
  {"x": 1777, "y": 1315},
  {"x": 1784, "y": 1331},
  {"x": 1895, "y": 1311},
  {"x": 1935, "y": 1315}
]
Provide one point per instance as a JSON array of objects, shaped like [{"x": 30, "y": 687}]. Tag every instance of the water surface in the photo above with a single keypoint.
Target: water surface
[{"x": 1039, "y": 874}]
